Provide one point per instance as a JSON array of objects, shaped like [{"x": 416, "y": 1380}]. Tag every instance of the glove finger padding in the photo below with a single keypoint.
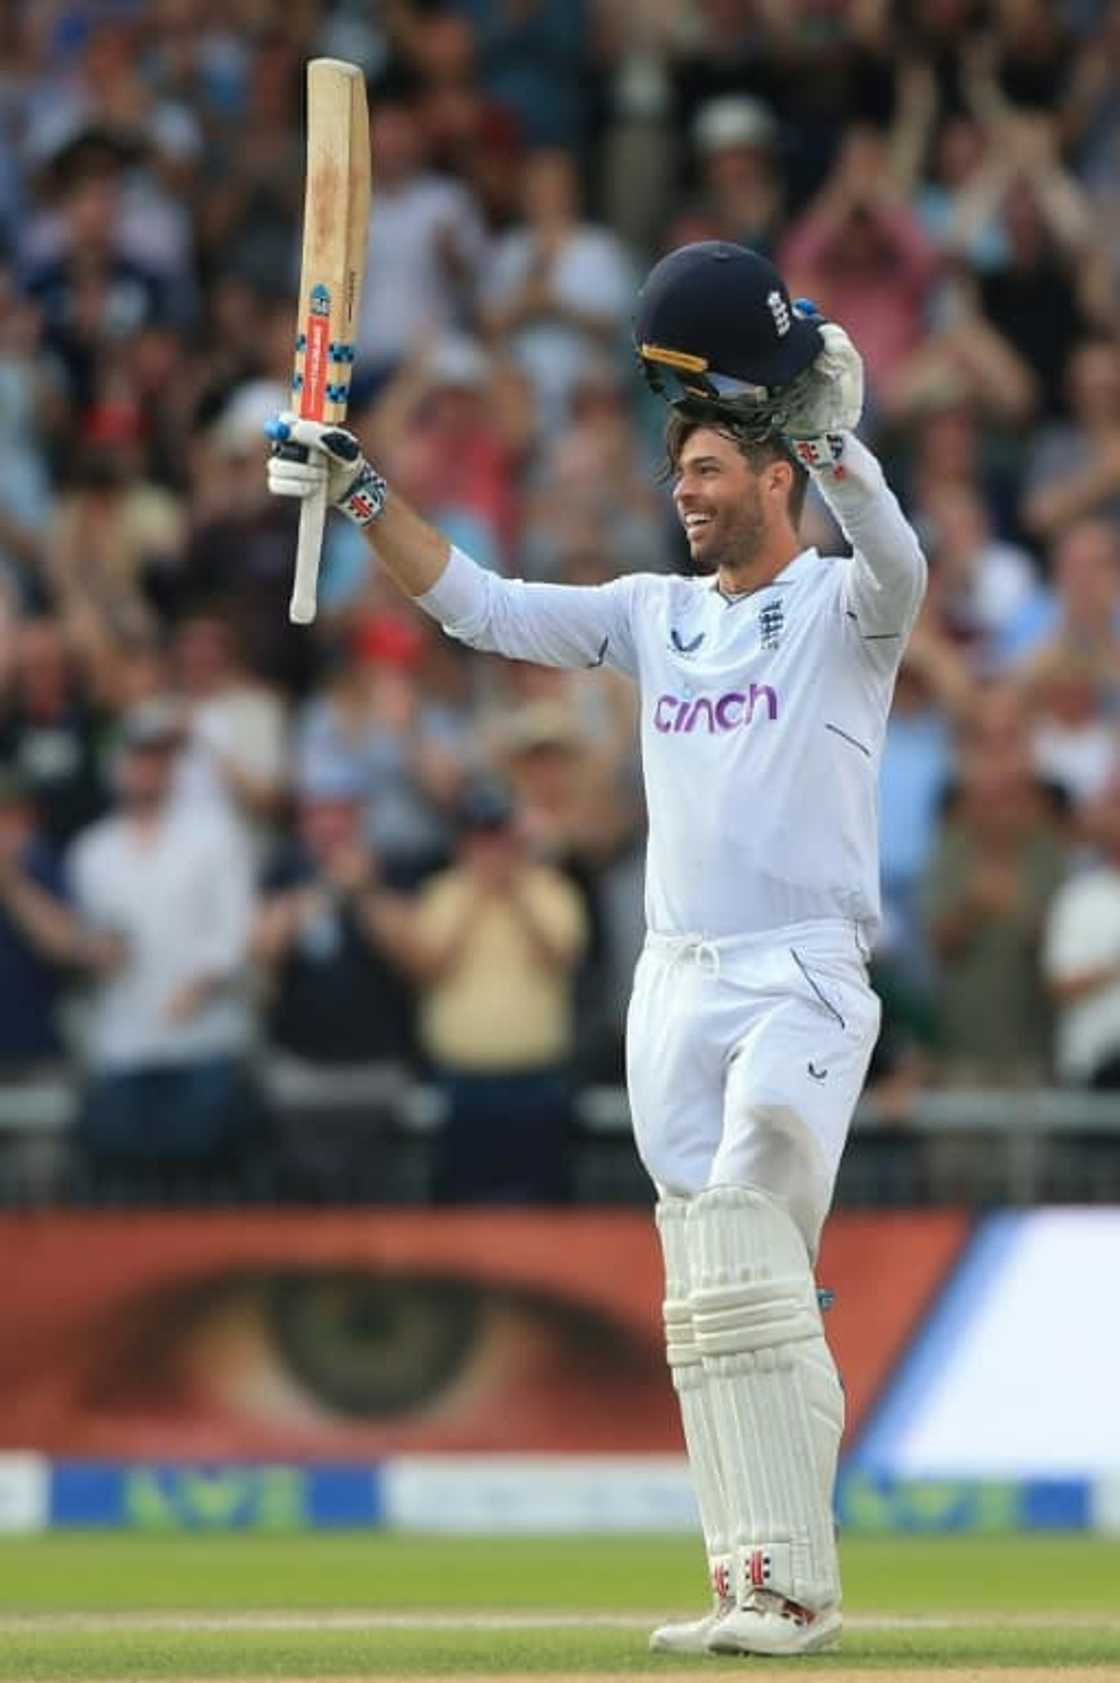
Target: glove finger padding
[
  {"x": 294, "y": 472},
  {"x": 828, "y": 396},
  {"x": 333, "y": 441}
]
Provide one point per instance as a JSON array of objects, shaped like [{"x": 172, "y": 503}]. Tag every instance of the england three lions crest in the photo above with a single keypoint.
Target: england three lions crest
[{"x": 771, "y": 623}]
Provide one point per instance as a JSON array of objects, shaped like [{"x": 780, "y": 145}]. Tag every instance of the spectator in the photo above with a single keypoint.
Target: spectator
[
  {"x": 53, "y": 731},
  {"x": 39, "y": 936},
  {"x": 371, "y": 723},
  {"x": 735, "y": 139},
  {"x": 169, "y": 1028},
  {"x": 91, "y": 293},
  {"x": 591, "y": 493},
  {"x": 559, "y": 287},
  {"x": 860, "y": 253},
  {"x": 240, "y": 552},
  {"x": 1074, "y": 466},
  {"x": 113, "y": 532},
  {"x": 534, "y": 62},
  {"x": 917, "y": 769},
  {"x": 426, "y": 241},
  {"x": 1050, "y": 290},
  {"x": 1080, "y": 616},
  {"x": 234, "y": 757},
  {"x": 494, "y": 949},
  {"x": 960, "y": 207},
  {"x": 1091, "y": 120},
  {"x": 336, "y": 994},
  {"x": 339, "y": 1011},
  {"x": 982, "y": 589},
  {"x": 32, "y": 407},
  {"x": 1081, "y": 957},
  {"x": 1074, "y": 740},
  {"x": 448, "y": 440},
  {"x": 998, "y": 862},
  {"x": 249, "y": 216}
]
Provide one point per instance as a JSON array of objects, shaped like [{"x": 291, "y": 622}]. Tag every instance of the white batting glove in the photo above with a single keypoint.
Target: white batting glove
[
  {"x": 826, "y": 401},
  {"x": 308, "y": 454}
]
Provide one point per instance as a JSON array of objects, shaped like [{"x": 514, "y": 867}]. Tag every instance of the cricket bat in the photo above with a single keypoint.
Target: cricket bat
[{"x": 335, "y": 225}]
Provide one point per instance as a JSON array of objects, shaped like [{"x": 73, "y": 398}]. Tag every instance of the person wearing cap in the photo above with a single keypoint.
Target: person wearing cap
[
  {"x": 764, "y": 682},
  {"x": 493, "y": 947},
  {"x": 735, "y": 139},
  {"x": 169, "y": 1027},
  {"x": 339, "y": 1008}
]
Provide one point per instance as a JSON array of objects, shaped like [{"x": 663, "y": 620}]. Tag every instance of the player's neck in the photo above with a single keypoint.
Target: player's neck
[{"x": 738, "y": 576}]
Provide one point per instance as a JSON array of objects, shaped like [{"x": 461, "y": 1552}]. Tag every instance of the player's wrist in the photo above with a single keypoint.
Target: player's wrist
[
  {"x": 363, "y": 500},
  {"x": 821, "y": 455}
]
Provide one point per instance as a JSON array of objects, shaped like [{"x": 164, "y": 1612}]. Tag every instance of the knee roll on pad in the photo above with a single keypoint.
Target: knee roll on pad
[
  {"x": 689, "y": 1380},
  {"x": 778, "y": 1407}
]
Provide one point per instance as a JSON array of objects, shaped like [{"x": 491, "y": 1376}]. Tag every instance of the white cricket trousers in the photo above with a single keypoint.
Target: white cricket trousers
[{"x": 745, "y": 1058}]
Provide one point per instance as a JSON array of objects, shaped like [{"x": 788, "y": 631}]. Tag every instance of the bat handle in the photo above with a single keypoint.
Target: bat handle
[{"x": 312, "y": 517}]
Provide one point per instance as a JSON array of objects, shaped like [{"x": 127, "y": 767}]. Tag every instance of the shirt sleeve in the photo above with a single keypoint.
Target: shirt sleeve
[
  {"x": 886, "y": 575},
  {"x": 1079, "y": 934},
  {"x": 226, "y": 912},
  {"x": 560, "y": 910},
  {"x": 550, "y": 624}
]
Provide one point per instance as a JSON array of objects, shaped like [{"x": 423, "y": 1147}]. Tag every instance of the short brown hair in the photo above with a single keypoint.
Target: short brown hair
[{"x": 759, "y": 452}]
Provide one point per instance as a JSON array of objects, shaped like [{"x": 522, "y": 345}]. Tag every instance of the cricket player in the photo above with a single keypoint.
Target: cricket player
[{"x": 765, "y": 683}]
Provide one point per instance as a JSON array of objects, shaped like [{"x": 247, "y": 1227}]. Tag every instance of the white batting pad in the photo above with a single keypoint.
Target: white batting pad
[
  {"x": 690, "y": 1383},
  {"x": 776, "y": 1402}
]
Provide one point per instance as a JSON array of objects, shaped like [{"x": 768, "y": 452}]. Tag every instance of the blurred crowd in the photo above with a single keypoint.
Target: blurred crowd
[{"x": 362, "y": 852}]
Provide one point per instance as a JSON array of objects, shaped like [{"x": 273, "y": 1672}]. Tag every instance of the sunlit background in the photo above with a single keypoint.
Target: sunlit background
[{"x": 300, "y": 1227}]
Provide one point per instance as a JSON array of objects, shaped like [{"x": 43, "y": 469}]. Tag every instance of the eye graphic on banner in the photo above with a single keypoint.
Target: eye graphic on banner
[
  {"x": 349, "y": 1337},
  {"x": 306, "y": 1348}
]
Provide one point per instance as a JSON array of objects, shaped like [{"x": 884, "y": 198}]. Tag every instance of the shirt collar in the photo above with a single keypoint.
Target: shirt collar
[{"x": 793, "y": 569}]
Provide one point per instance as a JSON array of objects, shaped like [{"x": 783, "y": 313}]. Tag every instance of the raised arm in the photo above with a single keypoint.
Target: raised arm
[
  {"x": 550, "y": 624},
  {"x": 886, "y": 575}
]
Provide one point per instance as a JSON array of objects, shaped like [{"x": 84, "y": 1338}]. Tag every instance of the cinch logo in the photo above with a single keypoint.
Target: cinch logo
[{"x": 727, "y": 712}]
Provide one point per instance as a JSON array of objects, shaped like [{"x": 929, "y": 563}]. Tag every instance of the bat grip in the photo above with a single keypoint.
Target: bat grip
[{"x": 312, "y": 517}]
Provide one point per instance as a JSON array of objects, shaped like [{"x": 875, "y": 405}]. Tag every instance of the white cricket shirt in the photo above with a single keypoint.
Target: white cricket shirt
[{"x": 762, "y": 715}]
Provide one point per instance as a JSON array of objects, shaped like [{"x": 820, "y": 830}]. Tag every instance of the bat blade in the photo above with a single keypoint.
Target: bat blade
[{"x": 335, "y": 227}]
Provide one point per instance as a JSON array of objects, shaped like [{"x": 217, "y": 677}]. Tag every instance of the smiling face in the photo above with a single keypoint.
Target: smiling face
[{"x": 736, "y": 515}]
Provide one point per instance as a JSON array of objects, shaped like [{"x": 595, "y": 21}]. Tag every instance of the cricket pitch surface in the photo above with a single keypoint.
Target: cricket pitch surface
[{"x": 222, "y": 1607}]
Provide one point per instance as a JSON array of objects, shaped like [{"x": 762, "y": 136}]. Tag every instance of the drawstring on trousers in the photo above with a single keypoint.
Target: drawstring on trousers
[{"x": 695, "y": 949}]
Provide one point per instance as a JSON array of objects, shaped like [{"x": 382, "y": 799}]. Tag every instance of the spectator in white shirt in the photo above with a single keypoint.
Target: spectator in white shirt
[
  {"x": 1081, "y": 957},
  {"x": 560, "y": 289},
  {"x": 168, "y": 1028},
  {"x": 426, "y": 240},
  {"x": 234, "y": 758}
]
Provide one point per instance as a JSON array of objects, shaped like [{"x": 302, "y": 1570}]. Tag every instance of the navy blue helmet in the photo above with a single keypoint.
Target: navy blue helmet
[{"x": 717, "y": 334}]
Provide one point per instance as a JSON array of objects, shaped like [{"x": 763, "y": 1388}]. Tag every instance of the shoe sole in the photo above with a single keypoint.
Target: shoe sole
[{"x": 815, "y": 1640}]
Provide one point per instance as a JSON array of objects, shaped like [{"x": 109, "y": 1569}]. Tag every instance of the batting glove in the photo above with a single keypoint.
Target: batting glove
[
  {"x": 826, "y": 401},
  {"x": 306, "y": 455}
]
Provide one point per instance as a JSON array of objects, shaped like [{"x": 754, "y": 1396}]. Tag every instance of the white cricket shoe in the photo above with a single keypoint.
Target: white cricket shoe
[
  {"x": 769, "y": 1624},
  {"x": 692, "y": 1636}
]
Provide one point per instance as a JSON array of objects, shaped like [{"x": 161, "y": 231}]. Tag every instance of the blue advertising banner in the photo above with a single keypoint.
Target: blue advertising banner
[{"x": 166, "y": 1497}]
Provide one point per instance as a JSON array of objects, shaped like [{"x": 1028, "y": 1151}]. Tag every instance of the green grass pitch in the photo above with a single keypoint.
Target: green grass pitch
[{"x": 126, "y": 1606}]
